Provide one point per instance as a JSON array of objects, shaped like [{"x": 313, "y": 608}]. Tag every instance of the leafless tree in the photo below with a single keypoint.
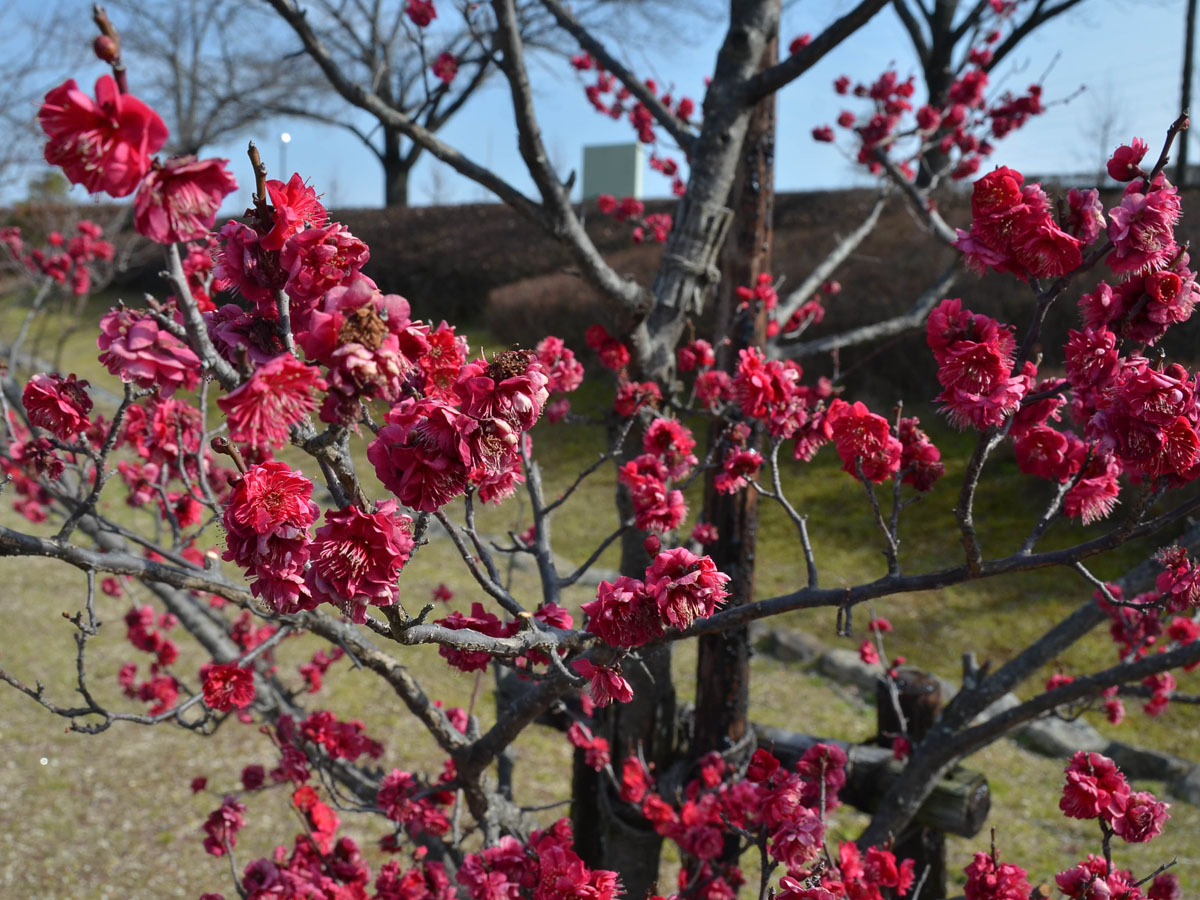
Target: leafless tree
[
  {"x": 212, "y": 68},
  {"x": 376, "y": 44}
]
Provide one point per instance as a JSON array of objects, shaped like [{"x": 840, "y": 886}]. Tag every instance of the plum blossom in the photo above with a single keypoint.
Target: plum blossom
[
  {"x": 103, "y": 144},
  {"x": 60, "y": 405},
  {"x": 277, "y": 396},
  {"x": 357, "y": 557},
  {"x": 179, "y": 199}
]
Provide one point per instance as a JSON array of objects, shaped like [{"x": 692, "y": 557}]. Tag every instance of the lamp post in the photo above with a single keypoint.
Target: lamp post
[{"x": 284, "y": 140}]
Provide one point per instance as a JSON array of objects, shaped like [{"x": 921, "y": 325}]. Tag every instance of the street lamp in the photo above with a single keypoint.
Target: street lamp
[{"x": 284, "y": 140}]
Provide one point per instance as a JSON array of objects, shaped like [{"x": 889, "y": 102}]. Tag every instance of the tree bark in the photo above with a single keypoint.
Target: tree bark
[
  {"x": 396, "y": 169},
  {"x": 723, "y": 669}
]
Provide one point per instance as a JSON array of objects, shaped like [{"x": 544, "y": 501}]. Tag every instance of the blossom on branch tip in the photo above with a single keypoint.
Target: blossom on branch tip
[
  {"x": 103, "y": 144},
  {"x": 1123, "y": 165},
  {"x": 137, "y": 349},
  {"x": 266, "y": 530},
  {"x": 294, "y": 206},
  {"x": 685, "y": 587},
  {"x": 445, "y": 67}
]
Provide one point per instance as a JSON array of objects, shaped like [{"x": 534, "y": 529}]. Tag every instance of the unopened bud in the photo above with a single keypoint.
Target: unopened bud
[{"x": 107, "y": 49}]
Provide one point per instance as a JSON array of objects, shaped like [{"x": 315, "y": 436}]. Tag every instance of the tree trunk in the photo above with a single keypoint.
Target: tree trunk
[
  {"x": 603, "y": 836},
  {"x": 723, "y": 669},
  {"x": 396, "y": 169},
  {"x": 610, "y": 833},
  {"x": 938, "y": 78}
]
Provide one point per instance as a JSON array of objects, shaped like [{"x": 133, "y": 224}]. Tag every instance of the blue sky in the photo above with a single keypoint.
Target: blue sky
[{"x": 1125, "y": 53}]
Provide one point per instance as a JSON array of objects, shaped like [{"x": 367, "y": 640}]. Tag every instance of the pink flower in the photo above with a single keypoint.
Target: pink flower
[
  {"x": 368, "y": 342},
  {"x": 737, "y": 468},
  {"x": 685, "y": 587},
  {"x": 512, "y": 387},
  {"x": 1139, "y": 819},
  {"x": 563, "y": 371},
  {"x": 422, "y": 12},
  {"x": 266, "y": 532},
  {"x": 357, "y": 557},
  {"x": 60, "y": 405},
  {"x": 1094, "y": 785},
  {"x": 1124, "y": 163},
  {"x": 798, "y": 840},
  {"x": 317, "y": 260},
  {"x": 990, "y": 879},
  {"x": 178, "y": 201},
  {"x": 445, "y": 67},
  {"x": 1142, "y": 230},
  {"x": 1086, "y": 217},
  {"x": 672, "y": 443},
  {"x": 228, "y": 686},
  {"x": 863, "y": 439},
  {"x": 277, "y": 396},
  {"x": 714, "y": 388},
  {"x": 1165, "y": 887},
  {"x": 604, "y": 684},
  {"x": 416, "y": 454},
  {"x": 136, "y": 349},
  {"x": 633, "y": 395},
  {"x": 222, "y": 826},
  {"x": 623, "y": 614},
  {"x": 696, "y": 355},
  {"x": 479, "y": 620},
  {"x": 294, "y": 205},
  {"x": 104, "y": 144},
  {"x": 245, "y": 265}
]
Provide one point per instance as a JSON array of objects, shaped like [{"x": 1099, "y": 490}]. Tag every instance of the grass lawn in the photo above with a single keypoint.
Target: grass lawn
[{"x": 112, "y": 815}]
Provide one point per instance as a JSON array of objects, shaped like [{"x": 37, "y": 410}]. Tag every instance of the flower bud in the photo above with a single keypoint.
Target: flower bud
[{"x": 107, "y": 48}]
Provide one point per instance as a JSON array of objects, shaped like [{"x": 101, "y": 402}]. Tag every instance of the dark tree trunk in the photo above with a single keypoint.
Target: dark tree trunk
[
  {"x": 939, "y": 75},
  {"x": 610, "y": 833},
  {"x": 397, "y": 167},
  {"x": 723, "y": 669}
]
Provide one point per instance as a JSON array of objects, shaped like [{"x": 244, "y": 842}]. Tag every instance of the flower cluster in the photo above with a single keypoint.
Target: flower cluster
[
  {"x": 138, "y": 349},
  {"x": 623, "y": 104},
  {"x": 357, "y": 557},
  {"x": 430, "y": 450},
  {"x": 679, "y": 587},
  {"x": 1096, "y": 788},
  {"x": 60, "y": 405},
  {"x": 266, "y": 532},
  {"x": 1013, "y": 231},
  {"x": 959, "y": 124},
  {"x": 66, "y": 261}
]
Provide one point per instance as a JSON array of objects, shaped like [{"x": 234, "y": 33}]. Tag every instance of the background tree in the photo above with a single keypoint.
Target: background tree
[
  {"x": 430, "y": 68},
  {"x": 213, "y": 68}
]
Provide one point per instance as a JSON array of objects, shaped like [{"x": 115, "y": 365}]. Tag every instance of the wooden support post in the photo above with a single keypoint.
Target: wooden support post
[{"x": 907, "y": 707}]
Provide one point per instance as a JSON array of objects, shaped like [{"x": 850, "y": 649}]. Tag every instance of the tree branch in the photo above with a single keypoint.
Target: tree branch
[{"x": 781, "y": 74}]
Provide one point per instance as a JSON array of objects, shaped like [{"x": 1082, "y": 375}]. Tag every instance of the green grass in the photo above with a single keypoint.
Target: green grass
[{"x": 112, "y": 816}]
